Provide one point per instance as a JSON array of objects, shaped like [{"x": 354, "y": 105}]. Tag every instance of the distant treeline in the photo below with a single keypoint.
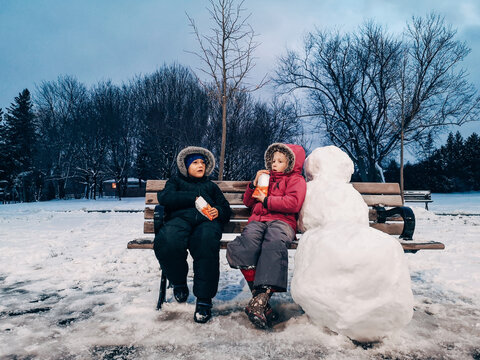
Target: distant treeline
[
  {"x": 67, "y": 139},
  {"x": 454, "y": 167}
]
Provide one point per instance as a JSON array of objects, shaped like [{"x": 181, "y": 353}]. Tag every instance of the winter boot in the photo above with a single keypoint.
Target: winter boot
[
  {"x": 257, "y": 306},
  {"x": 270, "y": 314},
  {"x": 180, "y": 292},
  {"x": 203, "y": 311}
]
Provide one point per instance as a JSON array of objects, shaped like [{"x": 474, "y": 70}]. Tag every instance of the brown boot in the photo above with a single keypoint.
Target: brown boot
[
  {"x": 270, "y": 314},
  {"x": 256, "y": 307}
]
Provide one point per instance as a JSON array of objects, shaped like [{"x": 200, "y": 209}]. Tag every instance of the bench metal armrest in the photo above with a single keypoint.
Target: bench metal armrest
[{"x": 405, "y": 213}]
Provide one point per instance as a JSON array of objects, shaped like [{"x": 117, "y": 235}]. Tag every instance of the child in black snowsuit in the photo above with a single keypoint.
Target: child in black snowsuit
[{"x": 186, "y": 228}]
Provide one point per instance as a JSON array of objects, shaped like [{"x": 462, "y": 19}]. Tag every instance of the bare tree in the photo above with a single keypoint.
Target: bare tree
[
  {"x": 432, "y": 93},
  {"x": 119, "y": 116},
  {"x": 227, "y": 55},
  {"x": 253, "y": 125},
  {"x": 168, "y": 104},
  {"x": 60, "y": 106},
  {"x": 362, "y": 86}
]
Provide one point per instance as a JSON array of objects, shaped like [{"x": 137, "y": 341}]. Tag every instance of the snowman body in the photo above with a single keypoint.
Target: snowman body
[{"x": 348, "y": 276}]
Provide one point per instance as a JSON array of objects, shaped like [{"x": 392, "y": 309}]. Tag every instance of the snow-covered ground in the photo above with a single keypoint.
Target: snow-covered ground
[
  {"x": 455, "y": 203},
  {"x": 69, "y": 288}
]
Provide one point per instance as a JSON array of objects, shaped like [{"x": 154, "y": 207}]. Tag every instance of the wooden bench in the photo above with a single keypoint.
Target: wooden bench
[
  {"x": 386, "y": 213},
  {"x": 418, "y": 196}
]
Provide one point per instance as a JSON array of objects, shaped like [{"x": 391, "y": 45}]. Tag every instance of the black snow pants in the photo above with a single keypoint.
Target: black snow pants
[
  {"x": 202, "y": 239},
  {"x": 263, "y": 246}
]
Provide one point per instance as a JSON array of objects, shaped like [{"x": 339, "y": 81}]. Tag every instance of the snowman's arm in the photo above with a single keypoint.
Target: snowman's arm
[
  {"x": 248, "y": 201},
  {"x": 293, "y": 199}
]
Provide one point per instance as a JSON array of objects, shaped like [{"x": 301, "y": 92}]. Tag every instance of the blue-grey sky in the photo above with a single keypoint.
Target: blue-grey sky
[{"x": 116, "y": 39}]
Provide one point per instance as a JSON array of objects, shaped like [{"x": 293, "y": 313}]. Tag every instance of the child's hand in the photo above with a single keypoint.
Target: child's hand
[
  {"x": 260, "y": 197},
  {"x": 259, "y": 172},
  {"x": 213, "y": 212}
]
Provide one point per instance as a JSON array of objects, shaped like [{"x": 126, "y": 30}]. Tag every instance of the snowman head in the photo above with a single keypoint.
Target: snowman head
[{"x": 329, "y": 163}]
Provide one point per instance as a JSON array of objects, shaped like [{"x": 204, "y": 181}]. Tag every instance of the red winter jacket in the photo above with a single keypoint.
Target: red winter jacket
[{"x": 286, "y": 193}]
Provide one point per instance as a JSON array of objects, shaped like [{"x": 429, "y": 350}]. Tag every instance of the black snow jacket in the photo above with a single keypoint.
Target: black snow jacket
[{"x": 179, "y": 195}]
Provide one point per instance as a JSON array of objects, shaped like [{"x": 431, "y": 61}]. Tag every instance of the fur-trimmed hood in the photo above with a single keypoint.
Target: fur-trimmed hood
[
  {"x": 295, "y": 156},
  {"x": 209, "y": 159}
]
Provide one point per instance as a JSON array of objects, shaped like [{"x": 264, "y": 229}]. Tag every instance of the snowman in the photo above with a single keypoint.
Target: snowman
[{"x": 348, "y": 277}]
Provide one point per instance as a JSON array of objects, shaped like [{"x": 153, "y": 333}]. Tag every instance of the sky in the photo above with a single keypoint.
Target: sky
[{"x": 97, "y": 40}]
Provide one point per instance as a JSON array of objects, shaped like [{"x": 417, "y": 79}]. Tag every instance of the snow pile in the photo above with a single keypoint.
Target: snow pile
[{"x": 348, "y": 277}]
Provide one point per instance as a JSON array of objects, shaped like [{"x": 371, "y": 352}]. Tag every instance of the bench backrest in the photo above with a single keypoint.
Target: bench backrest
[
  {"x": 374, "y": 194},
  {"x": 417, "y": 194}
]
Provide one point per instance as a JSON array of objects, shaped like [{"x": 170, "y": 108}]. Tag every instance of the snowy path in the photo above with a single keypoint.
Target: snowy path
[{"x": 69, "y": 288}]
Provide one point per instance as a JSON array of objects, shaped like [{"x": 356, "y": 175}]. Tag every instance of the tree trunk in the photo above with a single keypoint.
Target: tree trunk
[
  {"x": 61, "y": 188},
  {"x": 368, "y": 170},
  {"x": 401, "y": 162},
  {"x": 119, "y": 188},
  {"x": 224, "y": 138},
  {"x": 95, "y": 187}
]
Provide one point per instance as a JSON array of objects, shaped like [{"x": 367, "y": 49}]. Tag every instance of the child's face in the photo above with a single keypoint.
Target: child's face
[
  {"x": 197, "y": 168},
  {"x": 280, "y": 162}
]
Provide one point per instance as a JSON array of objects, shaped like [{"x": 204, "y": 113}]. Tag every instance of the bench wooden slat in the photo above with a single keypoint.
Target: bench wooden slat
[
  {"x": 389, "y": 228},
  {"x": 147, "y": 244},
  {"x": 232, "y": 186},
  {"x": 239, "y": 186},
  {"x": 236, "y": 199},
  {"x": 231, "y": 227},
  {"x": 433, "y": 245},
  {"x": 243, "y": 213},
  {"x": 426, "y": 193},
  {"x": 225, "y": 186},
  {"x": 151, "y": 199},
  {"x": 232, "y": 198},
  {"x": 383, "y": 200},
  {"x": 377, "y": 188},
  {"x": 237, "y": 227},
  {"x": 155, "y": 185},
  {"x": 238, "y": 213},
  {"x": 373, "y": 216}
]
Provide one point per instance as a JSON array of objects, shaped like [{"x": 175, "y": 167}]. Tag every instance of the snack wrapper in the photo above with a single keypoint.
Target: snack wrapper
[
  {"x": 262, "y": 185},
  {"x": 203, "y": 207}
]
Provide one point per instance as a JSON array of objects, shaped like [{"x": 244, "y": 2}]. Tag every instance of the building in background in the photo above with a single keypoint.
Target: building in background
[{"x": 135, "y": 188}]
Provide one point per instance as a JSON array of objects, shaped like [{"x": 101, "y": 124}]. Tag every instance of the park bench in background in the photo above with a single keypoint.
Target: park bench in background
[
  {"x": 386, "y": 213},
  {"x": 424, "y": 196}
]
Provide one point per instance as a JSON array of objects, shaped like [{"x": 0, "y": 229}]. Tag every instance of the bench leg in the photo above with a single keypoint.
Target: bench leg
[
  {"x": 426, "y": 205},
  {"x": 163, "y": 289}
]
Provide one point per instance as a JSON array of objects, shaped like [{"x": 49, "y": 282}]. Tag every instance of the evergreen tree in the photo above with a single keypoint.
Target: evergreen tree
[
  {"x": 454, "y": 162},
  {"x": 392, "y": 172},
  {"x": 20, "y": 135},
  {"x": 428, "y": 146},
  {"x": 20, "y": 139},
  {"x": 3, "y": 157},
  {"x": 471, "y": 157}
]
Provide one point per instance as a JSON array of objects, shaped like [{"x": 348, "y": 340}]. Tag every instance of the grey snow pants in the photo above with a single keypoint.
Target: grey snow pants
[{"x": 263, "y": 246}]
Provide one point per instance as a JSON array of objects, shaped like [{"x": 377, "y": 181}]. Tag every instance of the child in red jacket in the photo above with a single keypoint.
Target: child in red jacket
[{"x": 261, "y": 251}]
